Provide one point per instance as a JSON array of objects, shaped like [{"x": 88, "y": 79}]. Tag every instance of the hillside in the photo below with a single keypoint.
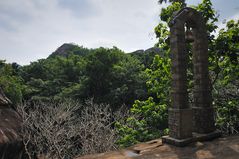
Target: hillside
[
  {"x": 222, "y": 148},
  {"x": 65, "y": 49},
  {"x": 144, "y": 56}
]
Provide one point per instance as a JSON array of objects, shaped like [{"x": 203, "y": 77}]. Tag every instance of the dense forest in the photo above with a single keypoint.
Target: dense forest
[
  {"x": 108, "y": 75},
  {"x": 138, "y": 82}
]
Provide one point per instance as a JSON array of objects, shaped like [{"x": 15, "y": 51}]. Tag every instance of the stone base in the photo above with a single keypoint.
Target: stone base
[
  {"x": 206, "y": 137},
  {"x": 196, "y": 137},
  {"x": 203, "y": 120},
  {"x": 177, "y": 142},
  {"x": 180, "y": 123}
]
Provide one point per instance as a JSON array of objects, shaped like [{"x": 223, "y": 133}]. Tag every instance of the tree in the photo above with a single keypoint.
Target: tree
[
  {"x": 165, "y": 1},
  {"x": 108, "y": 75},
  {"x": 114, "y": 77},
  {"x": 148, "y": 118},
  {"x": 10, "y": 81},
  {"x": 226, "y": 78}
]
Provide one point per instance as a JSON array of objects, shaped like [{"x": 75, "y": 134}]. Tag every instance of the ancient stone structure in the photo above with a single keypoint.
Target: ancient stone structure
[
  {"x": 196, "y": 122},
  {"x": 11, "y": 146}
]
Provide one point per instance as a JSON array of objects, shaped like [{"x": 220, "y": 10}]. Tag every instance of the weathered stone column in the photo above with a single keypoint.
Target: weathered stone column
[
  {"x": 203, "y": 120},
  {"x": 180, "y": 115},
  {"x": 203, "y": 112},
  {"x": 199, "y": 119}
]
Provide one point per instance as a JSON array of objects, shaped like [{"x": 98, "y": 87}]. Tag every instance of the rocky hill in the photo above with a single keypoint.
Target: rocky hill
[
  {"x": 68, "y": 48},
  {"x": 222, "y": 148},
  {"x": 144, "y": 56}
]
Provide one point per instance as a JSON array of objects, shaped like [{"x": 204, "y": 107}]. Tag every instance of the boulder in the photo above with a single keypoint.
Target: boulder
[{"x": 11, "y": 146}]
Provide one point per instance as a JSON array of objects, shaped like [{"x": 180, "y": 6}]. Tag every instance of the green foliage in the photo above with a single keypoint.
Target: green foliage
[
  {"x": 11, "y": 83},
  {"x": 167, "y": 13},
  {"x": 146, "y": 57},
  {"x": 162, "y": 33},
  {"x": 47, "y": 78},
  {"x": 152, "y": 113},
  {"x": 108, "y": 75},
  {"x": 227, "y": 42},
  {"x": 147, "y": 121},
  {"x": 128, "y": 81},
  {"x": 148, "y": 118},
  {"x": 226, "y": 78},
  {"x": 211, "y": 17},
  {"x": 172, "y": 1},
  {"x": 159, "y": 76}
]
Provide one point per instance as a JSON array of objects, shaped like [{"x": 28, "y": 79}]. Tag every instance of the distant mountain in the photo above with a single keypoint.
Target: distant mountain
[
  {"x": 145, "y": 56},
  {"x": 154, "y": 50},
  {"x": 69, "y": 48}
]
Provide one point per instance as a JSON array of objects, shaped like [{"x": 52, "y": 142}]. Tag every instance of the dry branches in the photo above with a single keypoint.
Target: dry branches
[{"x": 66, "y": 129}]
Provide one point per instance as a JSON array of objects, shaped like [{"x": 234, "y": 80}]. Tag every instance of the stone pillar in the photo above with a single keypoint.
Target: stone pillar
[
  {"x": 203, "y": 112},
  {"x": 180, "y": 115}
]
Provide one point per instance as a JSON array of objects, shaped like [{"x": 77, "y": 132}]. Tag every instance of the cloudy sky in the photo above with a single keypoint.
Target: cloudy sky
[{"x": 32, "y": 29}]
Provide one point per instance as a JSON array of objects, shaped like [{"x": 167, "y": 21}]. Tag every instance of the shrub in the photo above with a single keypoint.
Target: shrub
[{"x": 66, "y": 129}]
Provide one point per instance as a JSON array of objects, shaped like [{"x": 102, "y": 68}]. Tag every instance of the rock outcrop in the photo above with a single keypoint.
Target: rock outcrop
[
  {"x": 222, "y": 148},
  {"x": 11, "y": 146},
  {"x": 63, "y": 50}
]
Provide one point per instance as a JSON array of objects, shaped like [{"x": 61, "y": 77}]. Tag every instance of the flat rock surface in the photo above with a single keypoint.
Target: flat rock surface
[{"x": 221, "y": 148}]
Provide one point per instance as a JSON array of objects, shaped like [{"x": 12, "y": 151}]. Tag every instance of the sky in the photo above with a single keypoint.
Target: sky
[{"x": 33, "y": 29}]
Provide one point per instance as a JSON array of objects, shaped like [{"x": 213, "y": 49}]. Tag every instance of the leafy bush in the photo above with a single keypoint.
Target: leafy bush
[
  {"x": 148, "y": 119},
  {"x": 226, "y": 78}
]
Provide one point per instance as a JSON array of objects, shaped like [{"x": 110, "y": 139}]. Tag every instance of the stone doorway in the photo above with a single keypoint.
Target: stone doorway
[{"x": 196, "y": 122}]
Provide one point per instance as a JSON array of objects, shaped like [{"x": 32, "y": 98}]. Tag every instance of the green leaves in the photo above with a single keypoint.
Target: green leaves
[
  {"x": 147, "y": 121},
  {"x": 159, "y": 77},
  {"x": 108, "y": 75},
  {"x": 162, "y": 33},
  {"x": 149, "y": 117},
  {"x": 227, "y": 42},
  {"x": 226, "y": 78},
  {"x": 167, "y": 13},
  {"x": 11, "y": 83}
]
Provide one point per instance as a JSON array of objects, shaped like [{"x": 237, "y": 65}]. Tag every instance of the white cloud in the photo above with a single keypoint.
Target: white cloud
[
  {"x": 37, "y": 28},
  {"x": 32, "y": 29},
  {"x": 222, "y": 24},
  {"x": 235, "y": 17}
]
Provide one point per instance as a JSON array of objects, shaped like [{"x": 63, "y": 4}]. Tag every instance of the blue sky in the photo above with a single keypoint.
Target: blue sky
[{"x": 32, "y": 29}]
